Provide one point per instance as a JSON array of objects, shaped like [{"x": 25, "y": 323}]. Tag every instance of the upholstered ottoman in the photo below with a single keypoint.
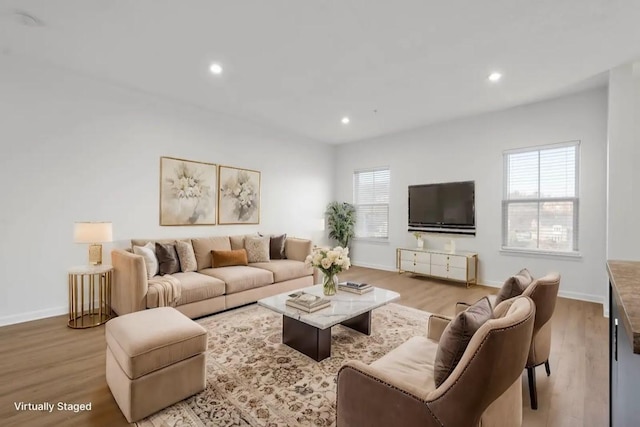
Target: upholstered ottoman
[{"x": 155, "y": 358}]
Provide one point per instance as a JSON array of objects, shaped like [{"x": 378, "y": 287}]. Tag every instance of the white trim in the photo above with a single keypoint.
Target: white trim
[
  {"x": 33, "y": 315},
  {"x": 539, "y": 253},
  {"x": 575, "y": 142},
  {"x": 374, "y": 169}
]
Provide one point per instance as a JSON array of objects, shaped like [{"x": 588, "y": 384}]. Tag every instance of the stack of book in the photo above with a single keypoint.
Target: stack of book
[
  {"x": 307, "y": 302},
  {"x": 355, "y": 287}
]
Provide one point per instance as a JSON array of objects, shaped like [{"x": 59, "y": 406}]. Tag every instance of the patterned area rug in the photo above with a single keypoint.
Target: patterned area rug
[{"x": 255, "y": 380}]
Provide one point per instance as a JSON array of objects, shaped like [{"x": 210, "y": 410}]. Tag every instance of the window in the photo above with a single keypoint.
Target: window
[
  {"x": 540, "y": 205},
  {"x": 371, "y": 199}
]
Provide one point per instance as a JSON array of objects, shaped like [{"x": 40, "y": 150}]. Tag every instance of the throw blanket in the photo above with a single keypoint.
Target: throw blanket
[{"x": 169, "y": 290}]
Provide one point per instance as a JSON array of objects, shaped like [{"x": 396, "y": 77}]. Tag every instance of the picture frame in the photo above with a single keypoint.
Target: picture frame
[
  {"x": 238, "y": 195},
  {"x": 187, "y": 192}
]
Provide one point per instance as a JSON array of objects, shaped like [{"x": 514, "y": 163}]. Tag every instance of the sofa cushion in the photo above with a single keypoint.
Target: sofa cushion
[
  {"x": 411, "y": 362},
  {"x": 456, "y": 337},
  {"x": 186, "y": 256},
  {"x": 237, "y": 242},
  {"x": 148, "y": 340},
  {"x": 240, "y": 278},
  {"x": 202, "y": 246},
  {"x": 148, "y": 253},
  {"x": 297, "y": 249},
  {"x": 285, "y": 269},
  {"x": 514, "y": 286},
  {"x": 257, "y": 248},
  {"x": 194, "y": 287},
  {"x": 276, "y": 246},
  {"x": 229, "y": 258},
  {"x": 167, "y": 258}
]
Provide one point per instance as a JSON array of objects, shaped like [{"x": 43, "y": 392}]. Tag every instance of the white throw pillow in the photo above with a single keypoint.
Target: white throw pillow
[
  {"x": 148, "y": 253},
  {"x": 257, "y": 248},
  {"x": 187, "y": 256}
]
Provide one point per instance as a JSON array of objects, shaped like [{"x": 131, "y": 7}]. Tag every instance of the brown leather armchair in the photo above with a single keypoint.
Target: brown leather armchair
[
  {"x": 483, "y": 389},
  {"x": 544, "y": 293}
]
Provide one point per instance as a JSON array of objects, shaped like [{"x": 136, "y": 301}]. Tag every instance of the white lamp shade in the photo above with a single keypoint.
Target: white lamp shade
[{"x": 92, "y": 232}]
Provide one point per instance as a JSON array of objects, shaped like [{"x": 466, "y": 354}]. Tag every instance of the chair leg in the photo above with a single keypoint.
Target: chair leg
[
  {"x": 546, "y": 366},
  {"x": 531, "y": 373}
]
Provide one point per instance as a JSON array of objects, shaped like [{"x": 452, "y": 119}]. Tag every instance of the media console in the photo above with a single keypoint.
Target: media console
[{"x": 459, "y": 266}]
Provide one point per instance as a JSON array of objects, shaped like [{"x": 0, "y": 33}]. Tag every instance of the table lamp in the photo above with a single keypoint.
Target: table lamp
[{"x": 93, "y": 233}]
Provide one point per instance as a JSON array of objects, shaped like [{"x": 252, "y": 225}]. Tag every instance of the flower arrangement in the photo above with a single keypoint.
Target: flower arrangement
[
  {"x": 330, "y": 262},
  {"x": 243, "y": 193},
  {"x": 186, "y": 185},
  {"x": 419, "y": 240}
]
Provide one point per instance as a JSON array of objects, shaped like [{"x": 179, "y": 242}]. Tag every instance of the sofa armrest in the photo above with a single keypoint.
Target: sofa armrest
[
  {"x": 368, "y": 397},
  {"x": 129, "y": 287},
  {"x": 297, "y": 249},
  {"x": 436, "y": 326}
]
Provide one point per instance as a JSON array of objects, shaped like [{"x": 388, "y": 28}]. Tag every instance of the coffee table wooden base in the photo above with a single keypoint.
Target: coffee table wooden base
[{"x": 315, "y": 342}]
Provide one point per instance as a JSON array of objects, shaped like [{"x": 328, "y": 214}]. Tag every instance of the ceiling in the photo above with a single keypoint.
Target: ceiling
[{"x": 302, "y": 65}]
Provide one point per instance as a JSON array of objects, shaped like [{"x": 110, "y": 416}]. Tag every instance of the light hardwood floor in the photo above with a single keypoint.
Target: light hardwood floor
[{"x": 44, "y": 361}]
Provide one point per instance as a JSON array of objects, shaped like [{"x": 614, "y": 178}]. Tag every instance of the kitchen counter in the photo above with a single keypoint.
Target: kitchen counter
[{"x": 624, "y": 277}]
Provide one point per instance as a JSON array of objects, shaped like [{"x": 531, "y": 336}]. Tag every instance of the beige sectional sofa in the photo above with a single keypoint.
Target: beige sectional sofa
[{"x": 209, "y": 290}]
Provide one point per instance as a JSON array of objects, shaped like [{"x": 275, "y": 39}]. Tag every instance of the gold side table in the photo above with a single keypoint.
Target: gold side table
[{"x": 89, "y": 295}]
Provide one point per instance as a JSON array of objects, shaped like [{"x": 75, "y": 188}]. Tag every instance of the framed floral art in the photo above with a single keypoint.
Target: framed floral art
[
  {"x": 238, "y": 196},
  {"x": 187, "y": 192}
]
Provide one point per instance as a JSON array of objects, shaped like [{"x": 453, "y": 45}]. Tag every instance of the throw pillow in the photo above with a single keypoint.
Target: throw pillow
[
  {"x": 257, "y": 248},
  {"x": 276, "y": 246},
  {"x": 148, "y": 253},
  {"x": 187, "y": 256},
  {"x": 514, "y": 286},
  {"x": 167, "y": 258},
  {"x": 229, "y": 258},
  {"x": 456, "y": 337}
]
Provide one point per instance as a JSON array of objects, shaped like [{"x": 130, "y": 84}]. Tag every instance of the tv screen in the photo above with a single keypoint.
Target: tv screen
[{"x": 443, "y": 206}]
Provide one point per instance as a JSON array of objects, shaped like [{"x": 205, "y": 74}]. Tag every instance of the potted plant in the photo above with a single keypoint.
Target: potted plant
[
  {"x": 341, "y": 220},
  {"x": 419, "y": 240}
]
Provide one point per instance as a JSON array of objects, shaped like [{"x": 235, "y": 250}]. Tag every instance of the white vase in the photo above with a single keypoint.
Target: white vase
[{"x": 420, "y": 243}]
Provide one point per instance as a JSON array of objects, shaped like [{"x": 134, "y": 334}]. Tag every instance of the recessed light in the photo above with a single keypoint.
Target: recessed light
[
  {"x": 494, "y": 77},
  {"x": 345, "y": 120},
  {"x": 216, "y": 69}
]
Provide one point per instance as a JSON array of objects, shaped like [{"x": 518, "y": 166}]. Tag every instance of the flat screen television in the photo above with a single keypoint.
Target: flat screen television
[{"x": 443, "y": 208}]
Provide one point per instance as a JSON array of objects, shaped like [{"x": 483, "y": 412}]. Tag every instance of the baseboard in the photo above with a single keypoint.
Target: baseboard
[
  {"x": 374, "y": 266},
  {"x": 33, "y": 315},
  {"x": 493, "y": 284}
]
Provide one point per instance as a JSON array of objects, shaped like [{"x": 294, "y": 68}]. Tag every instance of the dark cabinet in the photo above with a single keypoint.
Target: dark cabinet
[{"x": 624, "y": 370}]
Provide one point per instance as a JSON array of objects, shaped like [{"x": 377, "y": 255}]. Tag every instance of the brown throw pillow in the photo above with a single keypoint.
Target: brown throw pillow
[
  {"x": 276, "y": 247},
  {"x": 456, "y": 337},
  {"x": 514, "y": 286},
  {"x": 229, "y": 258},
  {"x": 167, "y": 258}
]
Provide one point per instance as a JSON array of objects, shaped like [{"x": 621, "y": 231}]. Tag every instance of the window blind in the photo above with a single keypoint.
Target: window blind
[
  {"x": 371, "y": 200},
  {"x": 540, "y": 203}
]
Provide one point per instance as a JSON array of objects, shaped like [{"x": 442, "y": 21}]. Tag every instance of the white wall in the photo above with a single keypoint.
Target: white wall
[
  {"x": 471, "y": 149},
  {"x": 624, "y": 158},
  {"x": 77, "y": 149}
]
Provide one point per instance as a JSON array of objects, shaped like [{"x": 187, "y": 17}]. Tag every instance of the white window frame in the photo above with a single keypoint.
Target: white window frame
[
  {"x": 357, "y": 205},
  {"x": 506, "y": 201}
]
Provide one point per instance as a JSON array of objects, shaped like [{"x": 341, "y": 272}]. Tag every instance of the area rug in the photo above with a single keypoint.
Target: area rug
[{"x": 255, "y": 380}]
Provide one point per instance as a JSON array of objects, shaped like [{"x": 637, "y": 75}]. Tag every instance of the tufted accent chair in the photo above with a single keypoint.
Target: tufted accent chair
[
  {"x": 544, "y": 293},
  {"x": 483, "y": 389}
]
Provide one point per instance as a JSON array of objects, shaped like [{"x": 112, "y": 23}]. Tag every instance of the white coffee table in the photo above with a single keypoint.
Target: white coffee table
[{"x": 310, "y": 333}]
